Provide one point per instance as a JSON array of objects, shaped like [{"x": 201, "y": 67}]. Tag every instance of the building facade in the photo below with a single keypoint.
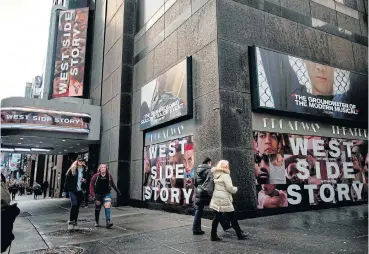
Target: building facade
[
  {"x": 135, "y": 42},
  {"x": 180, "y": 80}
]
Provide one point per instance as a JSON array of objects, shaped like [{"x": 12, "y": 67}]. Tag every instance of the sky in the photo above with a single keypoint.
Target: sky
[{"x": 24, "y": 26}]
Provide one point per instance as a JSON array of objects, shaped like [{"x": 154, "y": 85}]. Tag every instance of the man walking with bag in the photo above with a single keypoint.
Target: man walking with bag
[{"x": 204, "y": 185}]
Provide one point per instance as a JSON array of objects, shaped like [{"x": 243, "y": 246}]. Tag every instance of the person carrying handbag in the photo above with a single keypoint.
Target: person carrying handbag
[
  {"x": 204, "y": 185},
  {"x": 221, "y": 201}
]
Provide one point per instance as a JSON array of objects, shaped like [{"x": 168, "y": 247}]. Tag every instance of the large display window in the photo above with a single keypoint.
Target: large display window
[
  {"x": 294, "y": 169},
  {"x": 168, "y": 168}
]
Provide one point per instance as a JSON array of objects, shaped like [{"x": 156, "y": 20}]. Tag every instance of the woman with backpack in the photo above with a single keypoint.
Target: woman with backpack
[
  {"x": 75, "y": 184},
  {"x": 221, "y": 201},
  {"x": 100, "y": 188}
]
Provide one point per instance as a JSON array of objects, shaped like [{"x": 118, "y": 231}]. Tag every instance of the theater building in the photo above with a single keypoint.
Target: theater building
[{"x": 278, "y": 88}]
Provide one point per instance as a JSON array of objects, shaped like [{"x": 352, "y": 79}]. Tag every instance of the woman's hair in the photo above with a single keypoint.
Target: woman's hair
[
  {"x": 106, "y": 165},
  {"x": 72, "y": 168},
  {"x": 223, "y": 164}
]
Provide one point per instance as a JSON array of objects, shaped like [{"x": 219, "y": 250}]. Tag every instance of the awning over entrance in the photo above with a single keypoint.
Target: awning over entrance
[{"x": 48, "y": 126}]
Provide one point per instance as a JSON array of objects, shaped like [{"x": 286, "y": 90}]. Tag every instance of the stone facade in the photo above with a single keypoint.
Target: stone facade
[{"x": 217, "y": 34}]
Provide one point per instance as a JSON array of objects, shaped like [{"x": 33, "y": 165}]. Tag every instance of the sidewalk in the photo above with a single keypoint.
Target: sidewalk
[{"x": 42, "y": 225}]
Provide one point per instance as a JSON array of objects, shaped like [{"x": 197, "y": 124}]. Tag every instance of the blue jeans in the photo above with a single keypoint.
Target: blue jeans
[
  {"x": 199, "y": 210},
  {"x": 76, "y": 199},
  {"x": 101, "y": 200}
]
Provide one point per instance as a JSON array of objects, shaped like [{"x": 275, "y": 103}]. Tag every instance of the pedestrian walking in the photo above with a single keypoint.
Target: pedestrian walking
[
  {"x": 36, "y": 190},
  {"x": 221, "y": 201},
  {"x": 21, "y": 189},
  {"x": 204, "y": 185},
  {"x": 45, "y": 186},
  {"x": 100, "y": 190},
  {"x": 8, "y": 214},
  {"x": 75, "y": 184},
  {"x": 86, "y": 193},
  {"x": 13, "y": 188}
]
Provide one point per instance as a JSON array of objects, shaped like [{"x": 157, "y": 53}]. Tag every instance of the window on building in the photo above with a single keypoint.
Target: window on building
[{"x": 146, "y": 10}]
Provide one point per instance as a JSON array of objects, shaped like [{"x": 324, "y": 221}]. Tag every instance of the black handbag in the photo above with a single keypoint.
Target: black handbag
[{"x": 8, "y": 215}]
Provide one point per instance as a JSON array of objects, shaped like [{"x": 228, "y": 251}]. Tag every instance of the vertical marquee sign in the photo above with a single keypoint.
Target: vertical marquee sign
[{"x": 70, "y": 53}]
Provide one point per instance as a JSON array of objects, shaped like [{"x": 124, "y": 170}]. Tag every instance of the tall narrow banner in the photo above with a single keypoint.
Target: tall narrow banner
[
  {"x": 297, "y": 170},
  {"x": 70, "y": 53},
  {"x": 169, "y": 172}
]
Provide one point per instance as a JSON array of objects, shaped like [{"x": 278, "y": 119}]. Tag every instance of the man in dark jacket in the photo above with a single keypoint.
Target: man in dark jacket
[
  {"x": 45, "y": 186},
  {"x": 203, "y": 197}
]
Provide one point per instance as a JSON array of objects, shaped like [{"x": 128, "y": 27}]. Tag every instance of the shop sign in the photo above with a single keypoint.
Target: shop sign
[
  {"x": 167, "y": 97},
  {"x": 286, "y": 83},
  {"x": 270, "y": 123},
  {"x": 174, "y": 131},
  {"x": 44, "y": 119},
  {"x": 70, "y": 53}
]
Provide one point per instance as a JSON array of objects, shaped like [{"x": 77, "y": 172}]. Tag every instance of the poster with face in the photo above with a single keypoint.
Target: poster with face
[
  {"x": 168, "y": 174},
  {"x": 287, "y": 83},
  {"x": 167, "y": 97},
  {"x": 296, "y": 170}
]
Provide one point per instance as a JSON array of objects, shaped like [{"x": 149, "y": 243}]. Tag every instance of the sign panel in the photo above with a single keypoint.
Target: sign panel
[
  {"x": 70, "y": 53},
  {"x": 168, "y": 173},
  {"x": 270, "y": 123},
  {"x": 291, "y": 84},
  {"x": 302, "y": 170},
  {"x": 43, "y": 119},
  {"x": 38, "y": 82},
  {"x": 167, "y": 97},
  {"x": 172, "y": 132},
  {"x": 15, "y": 161}
]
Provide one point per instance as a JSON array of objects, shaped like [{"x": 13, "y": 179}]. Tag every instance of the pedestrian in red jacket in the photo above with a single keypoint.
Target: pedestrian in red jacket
[{"x": 100, "y": 190}]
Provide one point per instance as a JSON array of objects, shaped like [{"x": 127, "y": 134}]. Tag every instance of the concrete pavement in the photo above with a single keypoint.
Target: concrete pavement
[{"x": 41, "y": 228}]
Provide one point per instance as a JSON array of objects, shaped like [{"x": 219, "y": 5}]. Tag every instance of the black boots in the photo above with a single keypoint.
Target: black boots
[
  {"x": 198, "y": 232},
  {"x": 242, "y": 236},
  {"x": 215, "y": 238},
  {"x": 108, "y": 224},
  {"x": 97, "y": 215}
]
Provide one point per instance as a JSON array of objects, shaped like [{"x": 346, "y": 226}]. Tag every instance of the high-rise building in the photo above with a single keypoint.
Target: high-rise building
[
  {"x": 37, "y": 87},
  {"x": 28, "y": 90}
]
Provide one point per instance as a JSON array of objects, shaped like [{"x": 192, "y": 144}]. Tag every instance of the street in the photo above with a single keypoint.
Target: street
[{"x": 41, "y": 228}]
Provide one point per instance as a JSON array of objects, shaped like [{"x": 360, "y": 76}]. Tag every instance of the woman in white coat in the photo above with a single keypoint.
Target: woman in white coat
[{"x": 221, "y": 201}]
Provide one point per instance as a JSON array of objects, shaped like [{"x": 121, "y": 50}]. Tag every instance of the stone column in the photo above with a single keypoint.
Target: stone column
[{"x": 116, "y": 95}]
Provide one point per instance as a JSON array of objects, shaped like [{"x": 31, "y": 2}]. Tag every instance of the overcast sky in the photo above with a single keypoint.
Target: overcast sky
[{"x": 24, "y": 26}]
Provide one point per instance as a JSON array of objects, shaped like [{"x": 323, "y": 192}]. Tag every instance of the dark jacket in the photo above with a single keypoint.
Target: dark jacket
[
  {"x": 95, "y": 180},
  {"x": 71, "y": 181},
  {"x": 203, "y": 171}
]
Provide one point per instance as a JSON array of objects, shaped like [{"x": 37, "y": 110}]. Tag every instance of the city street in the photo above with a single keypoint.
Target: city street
[{"x": 41, "y": 228}]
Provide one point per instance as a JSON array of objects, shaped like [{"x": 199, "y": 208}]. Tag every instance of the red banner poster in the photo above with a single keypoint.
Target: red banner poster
[{"x": 70, "y": 53}]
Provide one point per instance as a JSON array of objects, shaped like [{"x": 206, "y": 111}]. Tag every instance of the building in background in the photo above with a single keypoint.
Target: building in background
[
  {"x": 37, "y": 87},
  {"x": 28, "y": 90}
]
